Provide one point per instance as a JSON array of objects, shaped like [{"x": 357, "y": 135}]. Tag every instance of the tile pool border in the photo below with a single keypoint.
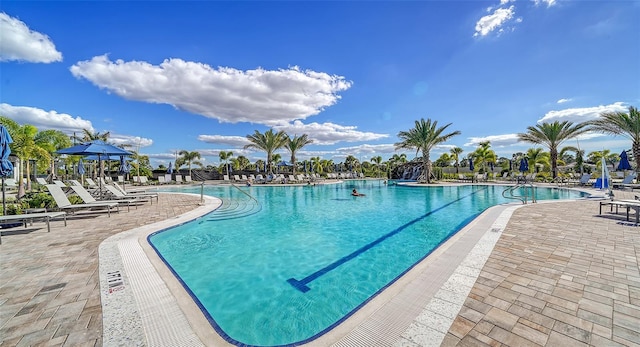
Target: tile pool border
[{"x": 133, "y": 314}]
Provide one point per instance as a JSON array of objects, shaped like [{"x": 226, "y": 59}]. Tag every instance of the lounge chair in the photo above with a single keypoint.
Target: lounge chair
[
  {"x": 627, "y": 204},
  {"x": 236, "y": 178},
  {"x": 64, "y": 204},
  {"x": 41, "y": 180},
  {"x": 89, "y": 199},
  {"x": 179, "y": 179},
  {"x": 59, "y": 184},
  {"x": 584, "y": 180},
  {"x": 161, "y": 180},
  {"x": 31, "y": 217},
  {"x": 627, "y": 182},
  {"x": 90, "y": 183},
  {"x": 187, "y": 179},
  {"x": 119, "y": 194},
  {"x": 225, "y": 178}
]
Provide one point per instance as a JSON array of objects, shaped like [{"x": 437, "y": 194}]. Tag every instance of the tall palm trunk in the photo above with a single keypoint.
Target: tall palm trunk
[
  {"x": 636, "y": 156},
  {"x": 554, "y": 162}
]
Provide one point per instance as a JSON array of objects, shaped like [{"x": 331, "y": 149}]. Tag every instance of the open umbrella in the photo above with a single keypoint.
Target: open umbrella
[
  {"x": 624, "y": 162},
  {"x": 6, "y": 168},
  {"x": 100, "y": 148}
]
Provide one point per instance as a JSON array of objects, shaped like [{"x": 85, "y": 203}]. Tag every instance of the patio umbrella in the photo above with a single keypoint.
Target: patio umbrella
[
  {"x": 624, "y": 162},
  {"x": 471, "y": 167},
  {"x": 524, "y": 165},
  {"x": 6, "y": 168},
  {"x": 100, "y": 148},
  {"x": 170, "y": 170}
]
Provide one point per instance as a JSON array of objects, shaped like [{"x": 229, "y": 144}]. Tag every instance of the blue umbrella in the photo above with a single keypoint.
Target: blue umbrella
[
  {"x": 624, "y": 162},
  {"x": 6, "y": 168},
  {"x": 471, "y": 164},
  {"x": 170, "y": 169},
  {"x": 100, "y": 148},
  {"x": 524, "y": 165}
]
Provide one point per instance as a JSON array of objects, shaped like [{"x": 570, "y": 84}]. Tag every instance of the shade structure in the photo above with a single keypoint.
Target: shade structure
[
  {"x": 624, "y": 162},
  {"x": 524, "y": 165},
  {"x": 471, "y": 167},
  {"x": 100, "y": 148},
  {"x": 6, "y": 168}
]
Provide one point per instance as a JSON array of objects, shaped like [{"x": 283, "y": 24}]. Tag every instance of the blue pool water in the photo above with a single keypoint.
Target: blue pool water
[{"x": 307, "y": 257}]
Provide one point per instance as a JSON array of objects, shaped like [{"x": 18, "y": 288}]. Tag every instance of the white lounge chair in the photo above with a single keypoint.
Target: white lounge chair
[
  {"x": 120, "y": 193},
  {"x": 31, "y": 217},
  {"x": 64, "y": 204},
  {"x": 179, "y": 179},
  {"x": 89, "y": 199},
  {"x": 187, "y": 179}
]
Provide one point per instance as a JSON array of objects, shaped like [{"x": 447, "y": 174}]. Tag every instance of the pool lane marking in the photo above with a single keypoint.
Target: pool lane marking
[{"x": 301, "y": 285}]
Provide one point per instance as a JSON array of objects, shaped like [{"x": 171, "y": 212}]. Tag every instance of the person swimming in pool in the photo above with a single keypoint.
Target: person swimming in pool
[{"x": 354, "y": 192}]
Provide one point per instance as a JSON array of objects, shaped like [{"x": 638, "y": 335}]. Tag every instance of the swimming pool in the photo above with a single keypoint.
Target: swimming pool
[{"x": 310, "y": 256}]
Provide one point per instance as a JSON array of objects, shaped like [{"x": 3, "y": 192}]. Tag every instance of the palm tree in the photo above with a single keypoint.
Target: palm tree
[
  {"x": 378, "y": 160},
  {"x": 423, "y": 137},
  {"x": 483, "y": 155},
  {"x": 537, "y": 156},
  {"x": 455, "y": 155},
  {"x": 553, "y": 135},
  {"x": 88, "y": 135},
  {"x": 268, "y": 142},
  {"x": 625, "y": 124},
  {"x": 316, "y": 164},
  {"x": 189, "y": 157},
  {"x": 295, "y": 144},
  {"x": 225, "y": 156},
  {"x": 30, "y": 144},
  {"x": 243, "y": 162}
]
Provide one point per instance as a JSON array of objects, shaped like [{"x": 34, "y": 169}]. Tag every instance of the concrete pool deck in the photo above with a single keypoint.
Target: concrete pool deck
[{"x": 558, "y": 273}]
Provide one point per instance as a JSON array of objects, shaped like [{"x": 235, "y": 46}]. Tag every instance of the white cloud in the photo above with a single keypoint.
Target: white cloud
[
  {"x": 45, "y": 120},
  {"x": 329, "y": 133},
  {"x": 18, "y": 42},
  {"x": 364, "y": 150},
  {"x": 132, "y": 142},
  {"x": 562, "y": 101},
  {"x": 42, "y": 119},
  {"x": 227, "y": 94},
  {"x": 495, "y": 140},
  {"x": 549, "y": 3},
  {"x": 235, "y": 141},
  {"x": 576, "y": 115},
  {"x": 494, "y": 21}
]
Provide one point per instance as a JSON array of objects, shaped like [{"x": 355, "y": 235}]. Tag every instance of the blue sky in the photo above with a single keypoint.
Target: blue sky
[{"x": 200, "y": 76}]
